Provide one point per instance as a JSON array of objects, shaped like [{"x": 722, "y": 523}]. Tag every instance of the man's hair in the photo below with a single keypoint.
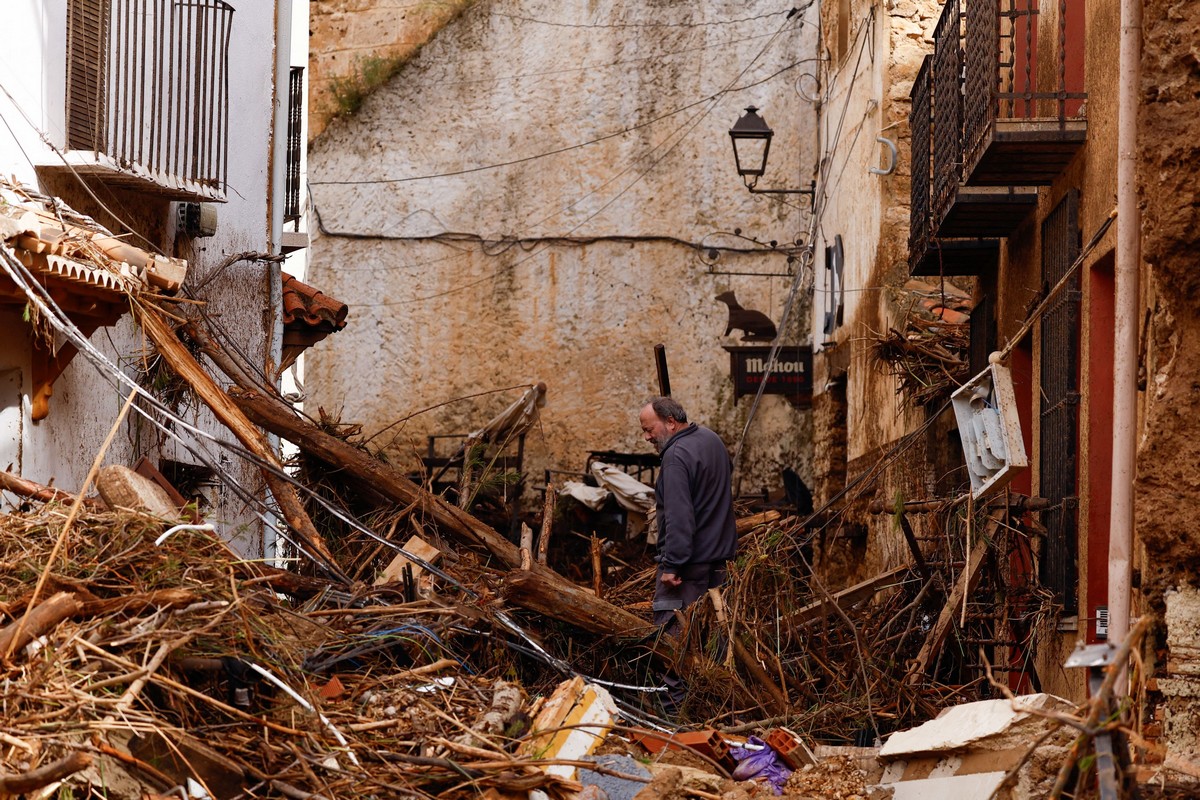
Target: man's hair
[{"x": 667, "y": 408}]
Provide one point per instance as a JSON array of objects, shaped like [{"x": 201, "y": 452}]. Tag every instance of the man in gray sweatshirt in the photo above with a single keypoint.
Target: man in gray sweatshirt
[{"x": 694, "y": 512}]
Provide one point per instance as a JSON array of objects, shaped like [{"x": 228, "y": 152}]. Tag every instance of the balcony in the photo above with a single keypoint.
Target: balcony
[
  {"x": 148, "y": 95},
  {"x": 1023, "y": 117},
  {"x": 986, "y": 130}
]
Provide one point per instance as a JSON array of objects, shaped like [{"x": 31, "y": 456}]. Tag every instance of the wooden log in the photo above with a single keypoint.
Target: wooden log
[
  {"x": 747, "y": 524},
  {"x": 42, "y": 619},
  {"x": 34, "y": 779},
  {"x": 46, "y": 494},
  {"x": 186, "y": 367},
  {"x": 564, "y": 600}
]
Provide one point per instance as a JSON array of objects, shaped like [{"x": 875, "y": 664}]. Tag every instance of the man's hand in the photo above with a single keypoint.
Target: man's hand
[{"x": 670, "y": 579}]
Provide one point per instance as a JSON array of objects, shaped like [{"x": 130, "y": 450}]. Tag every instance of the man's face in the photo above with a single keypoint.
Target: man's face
[{"x": 655, "y": 429}]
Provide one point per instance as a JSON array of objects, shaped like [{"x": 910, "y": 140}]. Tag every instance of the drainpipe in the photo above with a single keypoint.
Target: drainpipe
[
  {"x": 275, "y": 200},
  {"x": 1125, "y": 345}
]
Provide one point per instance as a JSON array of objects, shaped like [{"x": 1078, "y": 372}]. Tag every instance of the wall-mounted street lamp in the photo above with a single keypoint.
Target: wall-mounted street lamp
[{"x": 751, "y": 137}]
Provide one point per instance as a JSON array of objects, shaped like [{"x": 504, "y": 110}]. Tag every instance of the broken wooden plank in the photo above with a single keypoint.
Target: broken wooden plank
[
  {"x": 418, "y": 547},
  {"x": 184, "y": 364},
  {"x": 844, "y": 599},
  {"x": 967, "y": 581}
]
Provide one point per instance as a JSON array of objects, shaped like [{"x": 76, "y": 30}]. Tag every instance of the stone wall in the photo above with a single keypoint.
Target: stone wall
[{"x": 1168, "y": 481}]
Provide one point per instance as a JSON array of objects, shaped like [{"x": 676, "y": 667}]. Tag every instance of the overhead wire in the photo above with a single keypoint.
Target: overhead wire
[{"x": 558, "y": 150}]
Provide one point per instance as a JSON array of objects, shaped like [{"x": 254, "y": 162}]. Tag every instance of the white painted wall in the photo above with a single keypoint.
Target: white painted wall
[
  {"x": 606, "y": 266},
  {"x": 84, "y": 406}
]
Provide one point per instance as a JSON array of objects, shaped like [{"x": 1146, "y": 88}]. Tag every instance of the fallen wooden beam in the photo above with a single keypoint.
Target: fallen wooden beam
[
  {"x": 184, "y": 364},
  {"x": 373, "y": 475},
  {"x": 844, "y": 599}
]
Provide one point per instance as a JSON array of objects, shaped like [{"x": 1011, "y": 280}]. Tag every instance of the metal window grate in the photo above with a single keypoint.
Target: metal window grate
[
  {"x": 148, "y": 85},
  {"x": 295, "y": 144},
  {"x": 1059, "y": 419}
]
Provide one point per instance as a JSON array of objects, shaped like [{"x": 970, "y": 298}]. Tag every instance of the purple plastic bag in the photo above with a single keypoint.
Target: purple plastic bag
[{"x": 760, "y": 763}]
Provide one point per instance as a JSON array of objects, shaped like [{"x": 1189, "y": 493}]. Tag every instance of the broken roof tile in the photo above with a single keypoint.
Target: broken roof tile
[{"x": 307, "y": 307}]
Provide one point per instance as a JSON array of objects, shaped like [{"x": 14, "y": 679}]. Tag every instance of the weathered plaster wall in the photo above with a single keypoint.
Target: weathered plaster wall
[
  {"x": 84, "y": 404},
  {"x": 1168, "y": 479},
  {"x": 570, "y": 263},
  {"x": 358, "y": 44},
  {"x": 866, "y": 95}
]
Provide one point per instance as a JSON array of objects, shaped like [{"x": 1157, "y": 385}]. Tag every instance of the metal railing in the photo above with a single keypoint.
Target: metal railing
[
  {"x": 1002, "y": 78},
  {"x": 148, "y": 86},
  {"x": 920, "y": 118},
  {"x": 947, "y": 108},
  {"x": 295, "y": 145}
]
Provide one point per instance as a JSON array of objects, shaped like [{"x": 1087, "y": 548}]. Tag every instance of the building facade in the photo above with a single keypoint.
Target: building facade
[{"x": 167, "y": 125}]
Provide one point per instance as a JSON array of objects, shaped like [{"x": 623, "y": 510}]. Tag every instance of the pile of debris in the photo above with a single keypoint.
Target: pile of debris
[{"x": 930, "y": 355}]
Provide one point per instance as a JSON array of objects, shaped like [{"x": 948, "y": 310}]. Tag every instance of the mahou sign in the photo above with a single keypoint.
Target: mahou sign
[{"x": 791, "y": 375}]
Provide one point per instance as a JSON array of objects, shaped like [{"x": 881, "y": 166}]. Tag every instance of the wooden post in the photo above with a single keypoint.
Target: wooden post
[
  {"x": 660, "y": 364},
  {"x": 526, "y": 546},
  {"x": 597, "y": 567},
  {"x": 548, "y": 506}
]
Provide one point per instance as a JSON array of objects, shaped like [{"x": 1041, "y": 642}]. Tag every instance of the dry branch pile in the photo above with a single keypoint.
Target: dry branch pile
[{"x": 930, "y": 356}]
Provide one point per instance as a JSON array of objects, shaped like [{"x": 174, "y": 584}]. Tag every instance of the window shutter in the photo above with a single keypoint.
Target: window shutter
[{"x": 87, "y": 65}]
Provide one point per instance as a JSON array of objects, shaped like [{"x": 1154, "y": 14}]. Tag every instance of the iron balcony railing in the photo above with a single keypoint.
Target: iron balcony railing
[
  {"x": 947, "y": 109},
  {"x": 1011, "y": 75},
  {"x": 148, "y": 87},
  {"x": 920, "y": 119},
  {"x": 295, "y": 145}
]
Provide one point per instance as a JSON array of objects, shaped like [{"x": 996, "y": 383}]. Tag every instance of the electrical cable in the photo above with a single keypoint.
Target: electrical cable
[
  {"x": 558, "y": 150},
  {"x": 551, "y": 23}
]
